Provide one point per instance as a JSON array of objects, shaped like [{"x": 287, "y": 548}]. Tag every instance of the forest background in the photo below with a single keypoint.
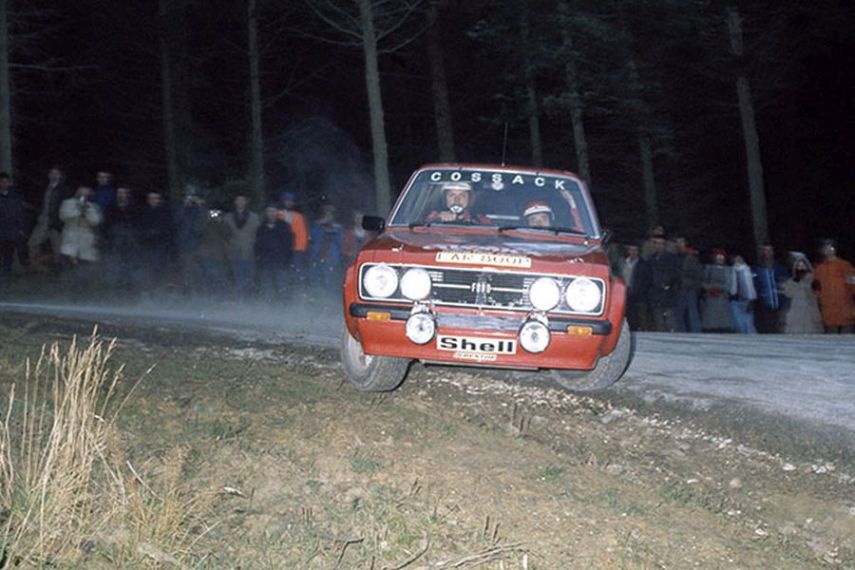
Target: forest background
[{"x": 729, "y": 122}]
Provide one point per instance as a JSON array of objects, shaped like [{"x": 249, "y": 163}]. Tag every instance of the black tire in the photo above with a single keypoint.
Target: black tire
[
  {"x": 608, "y": 370},
  {"x": 370, "y": 373}
]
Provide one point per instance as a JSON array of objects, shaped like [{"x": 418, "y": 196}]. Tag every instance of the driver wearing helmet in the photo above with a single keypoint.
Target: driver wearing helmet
[
  {"x": 459, "y": 198},
  {"x": 538, "y": 214}
]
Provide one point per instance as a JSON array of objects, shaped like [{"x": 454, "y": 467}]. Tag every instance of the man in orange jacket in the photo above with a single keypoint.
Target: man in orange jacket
[
  {"x": 300, "y": 231},
  {"x": 835, "y": 283}
]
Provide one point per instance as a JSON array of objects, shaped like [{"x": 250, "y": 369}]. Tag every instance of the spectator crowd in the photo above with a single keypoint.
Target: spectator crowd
[
  {"x": 670, "y": 288},
  {"x": 107, "y": 234},
  {"x": 135, "y": 242}
]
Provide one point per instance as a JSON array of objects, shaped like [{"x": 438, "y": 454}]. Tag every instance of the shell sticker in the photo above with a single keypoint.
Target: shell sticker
[{"x": 482, "y": 258}]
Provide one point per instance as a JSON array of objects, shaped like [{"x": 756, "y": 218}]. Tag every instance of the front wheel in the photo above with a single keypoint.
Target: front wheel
[
  {"x": 608, "y": 370},
  {"x": 367, "y": 372}
]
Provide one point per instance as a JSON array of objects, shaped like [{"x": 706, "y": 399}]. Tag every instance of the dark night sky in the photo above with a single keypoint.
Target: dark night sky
[{"x": 102, "y": 109}]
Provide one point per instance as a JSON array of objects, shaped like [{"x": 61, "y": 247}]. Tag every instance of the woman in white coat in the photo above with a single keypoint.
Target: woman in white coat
[
  {"x": 80, "y": 217},
  {"x": 802, "y": 315}
]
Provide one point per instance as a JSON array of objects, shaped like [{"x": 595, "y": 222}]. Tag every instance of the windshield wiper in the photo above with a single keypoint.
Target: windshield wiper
[
  {"x": 441, "y": 223},
  {"x": 556, "y": 231}
]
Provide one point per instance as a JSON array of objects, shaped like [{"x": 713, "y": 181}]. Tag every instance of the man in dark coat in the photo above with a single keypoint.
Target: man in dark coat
[
  {"x": 664, "y": 290},
  {"x": 155, "y": 237},
  {"x": 11, "y": 223},
  {"x": 188, "y": 223},
  {"x": 120, "y": 233},
  {"x": 273, "y": 242},
  {"x": 691, "y": 275},
  {"x": 768, "y": 276},
  {"x": 325, "y": 237},
  {"x": 105, "y": 192},
  {"x": 212, "y": 253},
  {"x": 48, "y": 225},
  {"x": 638, "y": 278}
]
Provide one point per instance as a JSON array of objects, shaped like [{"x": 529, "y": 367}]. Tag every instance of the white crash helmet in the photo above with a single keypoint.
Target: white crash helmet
[{"x": 538, "y": 207}]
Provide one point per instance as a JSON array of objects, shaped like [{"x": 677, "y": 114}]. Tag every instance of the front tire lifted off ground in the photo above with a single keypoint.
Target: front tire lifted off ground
[
  {"x": 608, "y": 370},
  {"x": 367, "y": 372}
]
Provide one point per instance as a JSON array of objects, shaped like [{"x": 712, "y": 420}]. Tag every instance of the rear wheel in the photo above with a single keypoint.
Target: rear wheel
[
  {"x": 608, "y": 370},
  {"x": 367, "y": 372}
]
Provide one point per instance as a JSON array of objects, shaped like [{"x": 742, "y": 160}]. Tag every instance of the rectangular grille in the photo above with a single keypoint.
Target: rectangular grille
[{"x": 483, "y": 289}]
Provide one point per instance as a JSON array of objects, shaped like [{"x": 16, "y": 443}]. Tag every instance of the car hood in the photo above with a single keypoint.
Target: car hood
[{"x": 492, "y": 249}]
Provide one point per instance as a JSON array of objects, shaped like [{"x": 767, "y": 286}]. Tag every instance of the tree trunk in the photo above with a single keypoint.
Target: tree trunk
[
  {"x": 645, "y": 145},
  {"x": 532, "y": 107},
  {"x": 168, "y": 115},
  {"x": 256, "y": 163},
  {"x": 751, "y": 137},
  {"x": 5, "y": 93},
  {"x": 650, "y": 198},
  {"x": 439, "y": 87},
  {"x": 580, "y": 141},
  {"x": 383, "y": 187}
]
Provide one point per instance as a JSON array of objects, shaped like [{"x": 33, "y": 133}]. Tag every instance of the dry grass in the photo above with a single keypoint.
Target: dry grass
[
  {"x": 67, "y": 491},
  {"x": 72, "y": 495}
]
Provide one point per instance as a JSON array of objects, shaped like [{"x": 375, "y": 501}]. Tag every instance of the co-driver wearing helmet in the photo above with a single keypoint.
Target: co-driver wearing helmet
[{"x": 538, "y": 214}]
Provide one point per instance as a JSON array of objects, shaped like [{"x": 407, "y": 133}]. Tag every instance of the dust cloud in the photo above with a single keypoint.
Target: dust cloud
[{"x": 315, "y": 318}]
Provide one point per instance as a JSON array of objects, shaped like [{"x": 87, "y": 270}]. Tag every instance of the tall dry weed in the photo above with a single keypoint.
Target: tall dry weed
[
  {"x": 66, "y": 486},
  {"x": 52, "y": 437}
]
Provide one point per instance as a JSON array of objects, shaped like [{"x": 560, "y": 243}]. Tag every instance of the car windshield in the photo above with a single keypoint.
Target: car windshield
[{"x": 503, "y": 200}]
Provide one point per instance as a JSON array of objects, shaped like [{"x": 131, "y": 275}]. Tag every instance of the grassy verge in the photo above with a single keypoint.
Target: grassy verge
[{"x": 67, "y": 487}]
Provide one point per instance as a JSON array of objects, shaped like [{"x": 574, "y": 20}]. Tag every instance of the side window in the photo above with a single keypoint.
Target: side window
[{"x": 417, "y": 204}]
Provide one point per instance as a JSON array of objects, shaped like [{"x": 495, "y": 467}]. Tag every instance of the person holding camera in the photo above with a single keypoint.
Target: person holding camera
[{"x": 80, "y": 217}]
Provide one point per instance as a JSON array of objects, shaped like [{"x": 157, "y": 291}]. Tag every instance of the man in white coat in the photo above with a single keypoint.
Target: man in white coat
[{"x": 80, "y": 217}]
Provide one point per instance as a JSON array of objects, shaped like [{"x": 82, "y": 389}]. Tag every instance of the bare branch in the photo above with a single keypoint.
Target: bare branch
[
  {"x": 399, "y": 6},
  {"x": 334, "y": 24},
  {"x": 327, "y": 40},
  {"x": 354, "y": 21},
  {"x": 407, "y": 41},
  {"x": 402, "y": 19},
  {"x": 293, "y": 84},
  {"x": 279, "y": 27}
]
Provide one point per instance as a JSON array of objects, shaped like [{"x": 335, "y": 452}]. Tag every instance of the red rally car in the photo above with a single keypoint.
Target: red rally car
[{"x": 492, "y": 266}]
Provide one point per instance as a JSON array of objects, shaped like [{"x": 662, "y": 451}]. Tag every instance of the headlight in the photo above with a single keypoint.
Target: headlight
[
  {"x": 583, "y": 295},
  {"x": 421, "y": 328},
  {"x": 416, "y": 284},
  {"x": 380, "y": 281},
  {"x": 534, "y": 336},
  {"x": 544, "y": 294}
]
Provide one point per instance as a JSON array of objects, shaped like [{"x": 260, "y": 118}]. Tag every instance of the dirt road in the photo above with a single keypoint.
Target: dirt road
[{"x": 795, "y": 390}]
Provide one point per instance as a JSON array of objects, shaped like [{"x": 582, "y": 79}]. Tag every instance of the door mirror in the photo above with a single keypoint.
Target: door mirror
[
  {"x": 606, "y": 236},
  {"x": 373, "y": 223}
]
